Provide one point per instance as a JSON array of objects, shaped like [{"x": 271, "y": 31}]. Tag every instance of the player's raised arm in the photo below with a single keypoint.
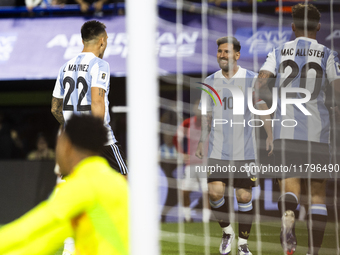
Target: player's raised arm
[
  {"x": 57, "y": 110},
  {"x": 98, "y": 102}
]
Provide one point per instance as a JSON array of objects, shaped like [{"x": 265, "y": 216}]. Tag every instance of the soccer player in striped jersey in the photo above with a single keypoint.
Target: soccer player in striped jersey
[
  {"x": 231, "y": 144},
  {"x": 83, "y": 86},
  {"x": 302, "y": 63},
  {"x": 91, "y": 205}
]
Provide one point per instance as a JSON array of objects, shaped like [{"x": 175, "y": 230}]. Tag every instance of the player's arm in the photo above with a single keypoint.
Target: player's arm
[
  {"x": 100, "y": 83},
  {"x": 47, "y": 242},
  {"x": 262, "y": 90},
  {"x": 267, "y": 127},
  {"x": 266, "y": 74},
  {"x": 98, "y": 102},
  {"x": 57, "y": 110},
  {"x": 205, "y": 130},
  {"x": 71, "y": 199},
  {"x": 39, "y": 222}
]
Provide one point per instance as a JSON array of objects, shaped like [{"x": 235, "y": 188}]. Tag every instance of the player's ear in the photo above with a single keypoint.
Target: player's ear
[
  {"x": 318, "y": 27},
  {"x": 237, "y": 55},
  {"x": 65, "y": 142},
  {"x": 293, "y": 27}
]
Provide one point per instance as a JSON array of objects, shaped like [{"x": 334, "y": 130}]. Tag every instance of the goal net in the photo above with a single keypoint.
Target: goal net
[{"x": 187, "y": 54}]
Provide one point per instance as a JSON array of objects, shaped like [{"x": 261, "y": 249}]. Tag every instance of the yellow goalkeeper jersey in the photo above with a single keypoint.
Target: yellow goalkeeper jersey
[{"x": 91, "y": 206}]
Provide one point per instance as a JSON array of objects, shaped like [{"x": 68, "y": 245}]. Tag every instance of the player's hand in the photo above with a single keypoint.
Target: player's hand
[
  {"x": 186, "y": 157},
  {"x": 199, "y": 150},
  {"x": 269, "y": 145}
]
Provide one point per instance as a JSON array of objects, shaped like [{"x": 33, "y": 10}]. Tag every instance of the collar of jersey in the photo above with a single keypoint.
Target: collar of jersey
[
  {"x": 306, "y": 39},
  {"x": 87, "y": 53},
  {"x": 227, "y": 81}
]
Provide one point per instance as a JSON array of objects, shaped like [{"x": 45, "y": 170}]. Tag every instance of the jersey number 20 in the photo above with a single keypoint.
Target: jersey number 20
[{"x": 303, "y": 83}]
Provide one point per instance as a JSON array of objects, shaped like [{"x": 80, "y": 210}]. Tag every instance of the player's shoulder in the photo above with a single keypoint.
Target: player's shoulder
[
  {"x": 69, "y": 62},
  {"x": 249, "y": 73},
  {"x": 100, "y": 64},
  {"x": 210, "y": 79},
  {"x": 102, "y": 61},
  {"x": 278, "y": 49},
  {"x": 63, "y": 68},
  {"x": 329, "y": 53}
]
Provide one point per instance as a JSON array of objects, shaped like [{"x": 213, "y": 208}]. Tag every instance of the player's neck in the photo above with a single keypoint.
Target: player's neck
[
  {"x": 92, "y": 50},
  {"x": 77, "y": 156},
  {"x": 231, "y": 73},
  {"x": 311, "y": 35}
]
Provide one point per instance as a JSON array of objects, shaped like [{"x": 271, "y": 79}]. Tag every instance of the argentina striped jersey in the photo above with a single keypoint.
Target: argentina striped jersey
[
  {"x": 235, "y": 139},
  {"x": 306, "y": 64},
  {"x": 75, "y": 80}
]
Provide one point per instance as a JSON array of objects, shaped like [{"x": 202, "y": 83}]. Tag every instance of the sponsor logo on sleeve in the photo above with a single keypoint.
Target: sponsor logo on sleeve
[{"x": 103, "y": 76}]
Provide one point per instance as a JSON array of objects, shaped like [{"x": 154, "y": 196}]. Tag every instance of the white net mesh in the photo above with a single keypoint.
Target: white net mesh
[{"x": 259, "y": 26}]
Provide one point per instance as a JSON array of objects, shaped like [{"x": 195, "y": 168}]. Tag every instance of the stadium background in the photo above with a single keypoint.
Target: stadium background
[{"x": 33, "y": 48}]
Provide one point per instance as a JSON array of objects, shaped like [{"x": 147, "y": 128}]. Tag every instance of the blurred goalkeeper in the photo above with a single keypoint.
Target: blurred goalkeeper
[{"x": 91, "y": 206}]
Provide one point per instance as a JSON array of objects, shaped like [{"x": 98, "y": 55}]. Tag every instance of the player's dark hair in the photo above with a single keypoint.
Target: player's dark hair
[
  {"x": 229, "y": 39},
  {"x": 86, "y": 132},
  {"x": 313, "y": 16},
  {"x": 92, "y": 29}
]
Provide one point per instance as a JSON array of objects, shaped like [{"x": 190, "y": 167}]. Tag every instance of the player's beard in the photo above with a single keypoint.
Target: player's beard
[{"x": 225, "y": 67}]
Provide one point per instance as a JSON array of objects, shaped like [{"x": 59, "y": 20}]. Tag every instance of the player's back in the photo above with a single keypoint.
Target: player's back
[
  {"x": 75, "y": 80},
  {"x": 303, "y": 63}
]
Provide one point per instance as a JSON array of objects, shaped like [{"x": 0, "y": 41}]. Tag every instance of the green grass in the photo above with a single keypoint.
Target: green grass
[
  {"x": 270, "y": 239},
  {"x": 193, "y": 239}
]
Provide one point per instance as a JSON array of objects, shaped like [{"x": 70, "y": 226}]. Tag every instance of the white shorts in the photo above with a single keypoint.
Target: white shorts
[{"x": 193, "y": 183}]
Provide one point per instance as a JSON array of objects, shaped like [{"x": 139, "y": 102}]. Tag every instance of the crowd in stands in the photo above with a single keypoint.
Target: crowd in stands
[
  {"x": 84, "y": 4},
  {"x": 18, "y": 142}
]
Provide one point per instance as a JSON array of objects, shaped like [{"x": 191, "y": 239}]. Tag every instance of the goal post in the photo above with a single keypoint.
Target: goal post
[{"x": 142, "y": 99}]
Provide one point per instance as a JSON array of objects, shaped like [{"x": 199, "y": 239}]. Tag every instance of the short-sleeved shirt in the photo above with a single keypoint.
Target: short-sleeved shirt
[
  {"x": 92, "y": 206},
  {"x": 306, "y": 64},
  {"x": 234, "y": 140},
  {"x": 75, "y": 80}
]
